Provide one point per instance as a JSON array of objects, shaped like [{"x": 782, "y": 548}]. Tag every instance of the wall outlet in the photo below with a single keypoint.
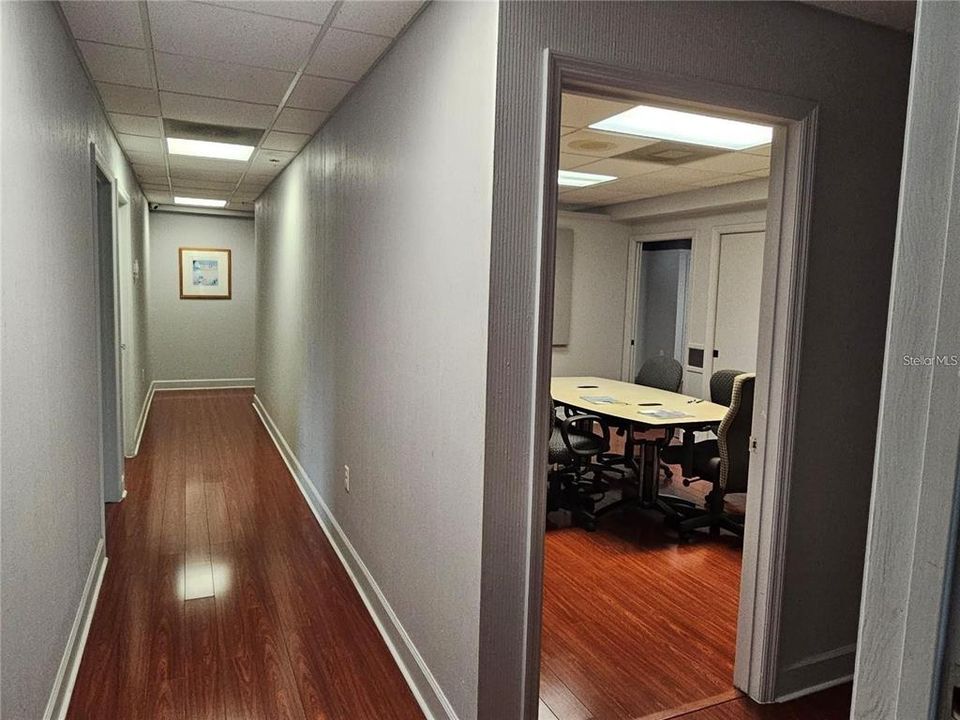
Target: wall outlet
[{"x": 346, "y": 478}]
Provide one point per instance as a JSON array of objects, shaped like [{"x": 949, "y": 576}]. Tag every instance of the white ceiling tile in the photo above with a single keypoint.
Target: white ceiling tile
[
  {"x": 196, "y": 76},
  {"x": 155, "y": 185},
  {"x": 238, "y": 204},
  {"x": 600, "y": 144},
  {"x": 291, "y": 142},
  {"x": 644, "y": 186},
  {"x": 150, "y": 169},
  {"x": 317, "y": 93},
  {"x": 193, "y": 177},
  {"x": 251, "y": 189},
  {"x": 130, "y": 100},
  {"x": 376, "y": 16},
  {"x": 300, "y": 121},
  {"x": 580, "y": 110},
  {"x": 759, "y": 150},
  {"x": 136, "y": 124},
  {"x": 203, "y": 183},
  {"x": 270, "y": 160},
  {"x": 683, "y": 175},
  {"x": 186, "y": 163},
  {"x": 221, "y": 33},
  {"x": 197, "y": 192},
  {"x": 140, "y": 144},
  {"x": 121, "y": 65},
  {"x": 725, "y": 180},
  {"x": 569, "y": 161},
  {"x": 595, "y": 194},
  {"x": 733, "y": 162},
  {"x": 117, "y": 23},
  {"x": 215, "y": 110},
  {"x": 620, "y": 168},
  {"x": 145, "y": 158},
  {"x": 346, "y": 55},
  {"x": 314, "y": 11},
  {"x": 564, "y": 130},
  {"x": 159, "y": 196},
  {"x": 246, "y": 196}
]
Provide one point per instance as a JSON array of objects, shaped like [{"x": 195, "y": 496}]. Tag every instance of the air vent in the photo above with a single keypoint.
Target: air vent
[
  {"x": 670, "y": 153},
  {"x": 213, "y": 133},
  {"x": 591, "y": 145}
]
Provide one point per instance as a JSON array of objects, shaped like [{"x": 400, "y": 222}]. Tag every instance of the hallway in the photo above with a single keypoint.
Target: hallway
[{"x": 222, "y": 597}]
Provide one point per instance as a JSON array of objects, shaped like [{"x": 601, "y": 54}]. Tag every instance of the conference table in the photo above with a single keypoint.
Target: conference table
[{"x": 641, "y": 408}]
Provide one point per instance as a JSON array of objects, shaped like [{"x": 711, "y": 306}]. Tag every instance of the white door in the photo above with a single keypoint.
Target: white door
[{"x": 738, "y": 301}]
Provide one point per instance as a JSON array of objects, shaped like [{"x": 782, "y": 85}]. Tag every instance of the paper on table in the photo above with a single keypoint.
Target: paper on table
[
  {"x": 600, "y": 399},
  {"x": 665, "y": 414}
]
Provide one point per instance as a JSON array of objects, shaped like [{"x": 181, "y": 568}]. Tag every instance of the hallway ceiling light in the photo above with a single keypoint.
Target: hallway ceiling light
[
  {"x": 570, "y": 178},
  {"x": 209, "y": 149},
  {"x": 654, "y": 122},
  {"x": 200, "y": 202}
]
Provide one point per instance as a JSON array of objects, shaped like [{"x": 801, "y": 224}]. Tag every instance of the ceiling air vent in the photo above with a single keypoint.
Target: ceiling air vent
[{"x": 667, "y": 152}]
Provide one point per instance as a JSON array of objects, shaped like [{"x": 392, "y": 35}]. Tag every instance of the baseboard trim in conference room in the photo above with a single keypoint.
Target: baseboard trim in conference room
[
  {"x": 424, "y": 686},
  {"x": 202, "y": 384},
  {"x": 62, "y": 690}
]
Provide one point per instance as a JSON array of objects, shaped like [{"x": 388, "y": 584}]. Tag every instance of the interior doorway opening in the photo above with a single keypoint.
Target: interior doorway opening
[
  {"x": 650, "y": 567},
  {"x": 108, "y": 331}
]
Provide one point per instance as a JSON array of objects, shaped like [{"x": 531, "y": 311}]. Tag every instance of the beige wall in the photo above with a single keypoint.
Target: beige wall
[
  {"x": 50, "y": 486},
  {"x": 373, "y": 266},
  {"x": 201, "y": 339}
]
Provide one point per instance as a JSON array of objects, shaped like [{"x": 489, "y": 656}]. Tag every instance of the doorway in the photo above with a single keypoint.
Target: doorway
[
  {"x": 111, "y": 424},
  {"x": 660, "y": 315},
  {"x": 781, "y": 264}
]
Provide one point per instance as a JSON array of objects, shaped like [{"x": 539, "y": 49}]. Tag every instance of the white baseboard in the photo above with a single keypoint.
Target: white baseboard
[
  {"x": 142, "y": 421},
  {"x": 202, "y": 384},
  {"x": 62, "y": 690},
  {"x": 816, "y": 672},
  {"x": 423, "y": 684}
]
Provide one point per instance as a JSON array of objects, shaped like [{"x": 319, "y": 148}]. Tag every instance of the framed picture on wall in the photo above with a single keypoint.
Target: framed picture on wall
[{"x": 205, "y": 274}]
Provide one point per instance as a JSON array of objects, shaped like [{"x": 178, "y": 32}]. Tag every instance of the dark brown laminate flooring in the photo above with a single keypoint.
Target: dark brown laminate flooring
[
  {"x": 636, "y": 626},
  {"x": 222, "y": 598}
]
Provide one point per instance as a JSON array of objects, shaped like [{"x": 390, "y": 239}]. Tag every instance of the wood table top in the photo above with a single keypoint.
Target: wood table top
[{"x": 634, "y": 403}]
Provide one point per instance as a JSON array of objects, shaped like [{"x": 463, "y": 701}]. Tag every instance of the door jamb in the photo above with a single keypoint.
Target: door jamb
[
  {"x": 788, "y": 230},
  {"x": 99, "y": 163}
]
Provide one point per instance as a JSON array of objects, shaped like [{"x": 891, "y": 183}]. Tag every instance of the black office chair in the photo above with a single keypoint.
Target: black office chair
[
  {"x": 575, "y": 482},
  {"x": 724, "y": 462},
  {"x": 664, "y": 373},
  {"x": 661, "y": 372},
  {"x": 721, "y": 386}
]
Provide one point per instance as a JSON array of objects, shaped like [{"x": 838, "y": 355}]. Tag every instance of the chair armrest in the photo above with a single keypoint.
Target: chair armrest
[{"x": 574, "y": 420}]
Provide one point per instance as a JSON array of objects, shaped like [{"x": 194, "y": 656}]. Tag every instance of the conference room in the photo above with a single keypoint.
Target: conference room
[{"x": 660, "y": 239}]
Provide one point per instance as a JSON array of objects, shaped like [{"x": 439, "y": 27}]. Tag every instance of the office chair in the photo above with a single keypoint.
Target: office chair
[
  {"x": 664, "y": 373},
  {"x": 661, "y": 372},
  {"x": 575, "y": 482},
  {"x": 724, "y": 462},
  {"x": 721, "y": 386}
]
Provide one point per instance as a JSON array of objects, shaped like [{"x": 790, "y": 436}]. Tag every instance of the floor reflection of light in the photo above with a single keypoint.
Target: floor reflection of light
[{"x": 204, "y": 579}]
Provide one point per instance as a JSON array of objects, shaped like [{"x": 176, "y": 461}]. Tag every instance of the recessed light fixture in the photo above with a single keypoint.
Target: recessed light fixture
[
  {"x": 200, "y": 202},
  {"x": 569, "y": 178},
  {"x": 209, "y": 149},
  {"x": 663, "y": 124}
]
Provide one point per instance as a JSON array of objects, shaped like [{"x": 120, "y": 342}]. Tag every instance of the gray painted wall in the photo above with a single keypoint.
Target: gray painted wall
[
  {"x": 201, "y": 339},
  {"x": 598, "y": 300},
  {"x": 52, "y": 511},
  {"x": 857, "y": 73},
  {"x": 913, "y": 534},
  {"x": 373, "y": 256}
]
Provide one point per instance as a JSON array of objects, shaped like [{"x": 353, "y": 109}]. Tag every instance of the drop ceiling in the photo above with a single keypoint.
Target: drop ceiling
[
  {"x": 279, "y": 68},
  {"x": 644, "y": 167}
]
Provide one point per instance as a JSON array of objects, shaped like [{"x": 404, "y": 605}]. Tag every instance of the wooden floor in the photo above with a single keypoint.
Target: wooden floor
[
  {"x": 637, "y": 626},
  {"x": 222, "y": 599}
]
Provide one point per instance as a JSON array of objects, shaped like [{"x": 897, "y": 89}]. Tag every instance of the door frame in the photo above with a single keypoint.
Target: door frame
[
  {"x": 785, "y": 257},
  {"x": 628, "y": 369},
  {"x": 112, "y": 481},
  {"x": 710, "y": 337}
]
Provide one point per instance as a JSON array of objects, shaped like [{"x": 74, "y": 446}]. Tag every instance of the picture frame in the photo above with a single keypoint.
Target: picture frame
[{"x": 205, "y": 273}]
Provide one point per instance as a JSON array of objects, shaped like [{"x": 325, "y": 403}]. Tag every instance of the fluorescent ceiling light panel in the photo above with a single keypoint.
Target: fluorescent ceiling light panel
[
  {"x": 200, "y": 202},
  {"x": 569, "y": 178},
  {"x": 208, "y": 149},
  {"x": 653, "y": 122}
]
